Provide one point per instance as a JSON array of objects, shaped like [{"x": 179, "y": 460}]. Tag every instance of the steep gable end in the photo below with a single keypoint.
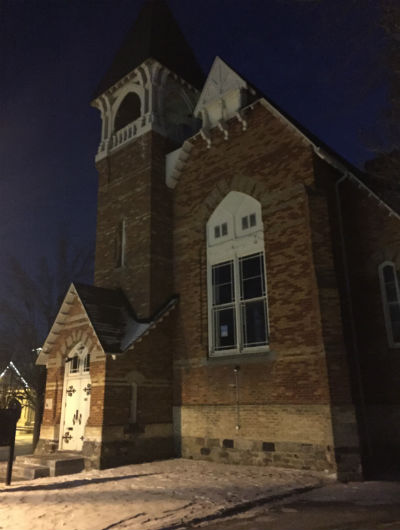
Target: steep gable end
[
  {"x": 223, "y": 95},
  {"x": 67, "y": 314}
]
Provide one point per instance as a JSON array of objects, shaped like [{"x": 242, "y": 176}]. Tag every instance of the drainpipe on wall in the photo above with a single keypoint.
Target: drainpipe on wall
[
  {"x": 237, "y": 402},
  {"x": 344, "y": 177}
]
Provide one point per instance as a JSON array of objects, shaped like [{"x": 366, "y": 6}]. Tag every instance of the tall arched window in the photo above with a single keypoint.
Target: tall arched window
[
  {"x": 391, "y": 301},
  {"x": 128, "y": 111},
  {"x": 237, "y": 292}
]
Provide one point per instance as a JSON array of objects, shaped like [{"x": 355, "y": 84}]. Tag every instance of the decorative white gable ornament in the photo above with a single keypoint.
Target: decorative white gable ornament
[{"x": 223, "y": 95}]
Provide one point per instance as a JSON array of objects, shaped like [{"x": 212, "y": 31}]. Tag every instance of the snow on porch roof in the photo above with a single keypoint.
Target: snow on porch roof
[
  {"x": 113, "y": 318},
  {"x": 110, "y": 315}
]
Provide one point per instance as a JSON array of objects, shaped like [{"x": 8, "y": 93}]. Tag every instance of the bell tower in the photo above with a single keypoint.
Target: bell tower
[{"x": 146, "y": 101}]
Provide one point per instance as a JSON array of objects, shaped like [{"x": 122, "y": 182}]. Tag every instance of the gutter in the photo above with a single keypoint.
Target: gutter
[{"x": 343, "y": 178}]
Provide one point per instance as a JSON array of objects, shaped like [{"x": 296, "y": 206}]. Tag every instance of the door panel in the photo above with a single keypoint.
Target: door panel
[{"x": 76, "y": 412}]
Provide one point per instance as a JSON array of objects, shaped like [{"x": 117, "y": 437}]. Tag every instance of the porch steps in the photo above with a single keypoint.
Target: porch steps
[
  {"x": 53, "y": 465},
  {"x": 29, "y": 472}
]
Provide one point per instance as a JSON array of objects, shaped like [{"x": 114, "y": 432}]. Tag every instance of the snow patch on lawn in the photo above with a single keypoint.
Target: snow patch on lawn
[{"x": 145, "y": 496}]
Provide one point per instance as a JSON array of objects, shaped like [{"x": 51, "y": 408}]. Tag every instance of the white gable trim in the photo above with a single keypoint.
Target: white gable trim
[
  {"x": 221, "y": 80},
  {"x": 60, "y": 320}
]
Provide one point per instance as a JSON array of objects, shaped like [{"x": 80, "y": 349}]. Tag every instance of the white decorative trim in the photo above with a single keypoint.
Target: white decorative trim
[
  {"x": 151, "y": 81},
  {"x": 239, "y": 116},
  {"x": 205, "y": 134},
  {"x": 223, "y": 128},
  {"x": 175, "y": 164},
  {"x": 60, "y": 320},
  {"x": 220, "y": 97}
]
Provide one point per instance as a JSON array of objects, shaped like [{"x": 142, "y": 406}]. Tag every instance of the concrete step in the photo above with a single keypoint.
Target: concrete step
[
  {"x": 66, "y": 466},
  {"x": 30, "y": 459},
  {"x": 62, "y": 463},
  {"x": 29, "y": 472}
]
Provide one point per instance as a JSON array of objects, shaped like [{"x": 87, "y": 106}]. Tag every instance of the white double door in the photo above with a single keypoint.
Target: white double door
[{"x": 76, "y": 408}]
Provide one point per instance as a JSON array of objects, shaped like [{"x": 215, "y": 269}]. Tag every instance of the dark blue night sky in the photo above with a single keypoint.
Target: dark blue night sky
[{"x": 321, "y": 61}]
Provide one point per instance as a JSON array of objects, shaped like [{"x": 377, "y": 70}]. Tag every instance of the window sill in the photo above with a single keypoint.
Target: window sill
[{"x": 242, "y": 357}]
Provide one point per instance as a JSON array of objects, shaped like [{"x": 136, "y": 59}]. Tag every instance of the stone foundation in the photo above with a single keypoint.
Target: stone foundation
[
  {"x": 260, "y": 453},
  {"x": 141, "y": 449}
]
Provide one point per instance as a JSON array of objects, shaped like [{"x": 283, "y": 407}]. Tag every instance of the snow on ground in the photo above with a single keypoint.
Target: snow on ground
[{"x": 153, "y": 495}]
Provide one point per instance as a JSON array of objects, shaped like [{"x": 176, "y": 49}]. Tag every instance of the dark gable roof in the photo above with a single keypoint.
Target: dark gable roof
[
  {"x": 113, "y": 319},
  {"x": 155, "y": 34}
]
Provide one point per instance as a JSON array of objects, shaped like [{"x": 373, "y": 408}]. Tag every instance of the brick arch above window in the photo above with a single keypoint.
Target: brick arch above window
[
  {"x": 73, "y": 342},
  {"x": 240, "y": 183}
]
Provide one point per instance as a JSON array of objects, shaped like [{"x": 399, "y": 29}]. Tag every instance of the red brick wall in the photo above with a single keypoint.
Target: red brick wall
[
  {"x": 132, "y": 186},
  {"x": 283, "y": 394},
  {"x": 272, "y": 164},
  {"x": 149, "y": 364},
  {"x": 372, "y": 236}
]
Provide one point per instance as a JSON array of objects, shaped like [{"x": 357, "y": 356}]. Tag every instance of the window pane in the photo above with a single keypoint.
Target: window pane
[
  {"x": 217, "y": 231},
  {"x": 394, "y": 310},
  {"x": 224, "y": 229},
  {"x": 252, "y": 266},
  {"x": 254, "y": 327},
  {"x": 86, "y": 363},
  {"x": 245, "y": 223},
  {"x": 252, "y": 288},
  {"x": 388, "y": 273},
  {"x": 74, "y": 365},
  {"x": 224, "y": 328},
  {"x": 391, "y": 292},
  {"x": 252, "y": 277},
  {"x": 396, "y": 331},
  {"x": 253, "y": 219},
  {"x": 222, "y": 281}
]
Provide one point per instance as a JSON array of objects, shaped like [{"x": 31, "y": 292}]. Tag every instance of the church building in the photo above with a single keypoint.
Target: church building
[{"x": 246, "y": 303}]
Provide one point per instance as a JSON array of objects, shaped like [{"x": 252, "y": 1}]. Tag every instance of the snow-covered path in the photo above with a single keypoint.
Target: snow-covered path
[{"x": 153, "y": 495}]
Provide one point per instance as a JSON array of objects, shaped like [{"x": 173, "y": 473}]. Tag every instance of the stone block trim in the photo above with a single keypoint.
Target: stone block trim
[{"x": 255, "y": 452}]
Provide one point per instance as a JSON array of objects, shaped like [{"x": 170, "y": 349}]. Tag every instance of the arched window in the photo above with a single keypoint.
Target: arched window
[
  {"x": 79, "y": 360},
  {"x": 391, "y": 301},
  {"x": 128, "y": 111},
  {"x": 237, "y": 293}
]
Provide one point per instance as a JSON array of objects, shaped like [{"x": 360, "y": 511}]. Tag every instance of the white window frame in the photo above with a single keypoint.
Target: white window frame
[
  {"x": 386, "y": 303},
  {"x": 237, "y": 244}
]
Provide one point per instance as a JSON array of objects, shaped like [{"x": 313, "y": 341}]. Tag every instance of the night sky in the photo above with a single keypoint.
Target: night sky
[{"x": 323, "y": 62}]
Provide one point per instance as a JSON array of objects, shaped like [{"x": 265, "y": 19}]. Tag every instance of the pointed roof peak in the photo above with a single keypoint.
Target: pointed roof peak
[{"x": 155, "y": 34}]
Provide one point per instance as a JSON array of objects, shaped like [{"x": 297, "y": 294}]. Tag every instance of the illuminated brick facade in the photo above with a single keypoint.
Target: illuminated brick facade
[{"x": 308, "y": 398}]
